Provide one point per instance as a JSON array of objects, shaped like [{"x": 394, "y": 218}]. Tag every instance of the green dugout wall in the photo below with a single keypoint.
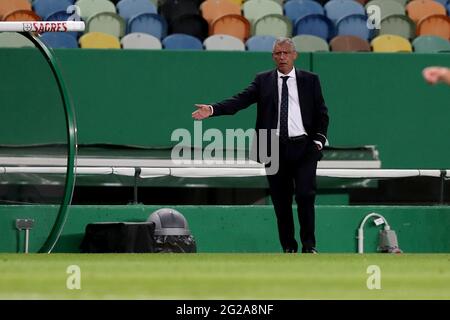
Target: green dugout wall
[
  {"x": 140, "y": 97},
  {"x": 241, "y": 228}
]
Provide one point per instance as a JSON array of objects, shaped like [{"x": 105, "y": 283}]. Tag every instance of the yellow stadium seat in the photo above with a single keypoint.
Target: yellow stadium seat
[
  {"x": 391, "y": 43},
  {"x": 99, "y": 40}
]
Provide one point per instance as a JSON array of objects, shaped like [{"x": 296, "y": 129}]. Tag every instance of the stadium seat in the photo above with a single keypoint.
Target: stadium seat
[
  {"x": 443, "y": 2},
  {"x": 59, "y": 40},
  {"x": 295, "y": 9},
  {"x": 435, "y": 25},
  {"x": 127, "y": 9},
  {"x": 22, "y": 15},
  {"x": 14, "y": 40},
  {"x": 150, "y": 23},
  {"x": 192, "y": 24},
  {"x": 90, "y": 8},
  {"x": 179, "y": 41},
  {"x": 255, "y": 9},
  {"x": 107, "y": 22},
  {"x": 335, "y": 10},
  {"x": 45, "y": 8},
  {"x": 354, "y": 25},
  {"x": 173, "y": 9},
  {"x": 430, "y": 44},
  {"x": 139, "y": 40},
  {"x": 99, "y": 40},
  {"x": 315, "y": 25},
  {"x": 273, "y": 25},
  {"x": 402, "y": 2},
  {"x": 387, "y": 7},
  {"x": 308, "y": 43},
  {"x": 399, "y": 25},
  {"x": 260, "y": 43},
  {"x": 63, "y": 16},
  {"x": 419, "y": 9},
  {"x": 390, "y": 43},
  {"x": 233, "y": 25},
  {"x": 223, "y": 42},
  {"x": 214, "y": 9},
  {"x": 9, "y": 6},
  {"x": 349, "y": 44}
]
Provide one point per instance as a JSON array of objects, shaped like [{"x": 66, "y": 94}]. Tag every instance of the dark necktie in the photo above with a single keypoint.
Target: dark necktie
[{"x": 284, "y": 110}]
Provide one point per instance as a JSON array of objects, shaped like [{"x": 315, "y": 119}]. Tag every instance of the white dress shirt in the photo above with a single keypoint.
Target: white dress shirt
[{"x": 295, "y": 121}]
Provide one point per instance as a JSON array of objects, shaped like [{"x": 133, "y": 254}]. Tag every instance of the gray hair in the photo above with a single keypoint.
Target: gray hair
[{"x": 283, "y": 40}]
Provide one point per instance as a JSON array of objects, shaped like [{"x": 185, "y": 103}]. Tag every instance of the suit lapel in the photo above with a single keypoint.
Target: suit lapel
[
  {"x": 274, "y": 82},
  {"x": 300, "y": 90}
]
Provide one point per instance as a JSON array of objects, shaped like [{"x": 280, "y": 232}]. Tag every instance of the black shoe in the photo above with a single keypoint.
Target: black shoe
[
  {"x": 290, "y": 251},
  {"x": 309, "y": 250}
]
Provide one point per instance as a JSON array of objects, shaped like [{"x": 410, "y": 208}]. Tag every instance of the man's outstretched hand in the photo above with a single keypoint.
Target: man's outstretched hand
[
  {"x": 203, "y": 111},
  {"x": 435, "y": 75}
]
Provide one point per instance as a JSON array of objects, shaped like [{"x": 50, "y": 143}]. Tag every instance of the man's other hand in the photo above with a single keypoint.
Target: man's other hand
[{"x": 203, "y": 111}]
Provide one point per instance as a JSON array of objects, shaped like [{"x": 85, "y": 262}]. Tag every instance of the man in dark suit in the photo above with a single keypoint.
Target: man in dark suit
[{"x": 290, "y": 102}]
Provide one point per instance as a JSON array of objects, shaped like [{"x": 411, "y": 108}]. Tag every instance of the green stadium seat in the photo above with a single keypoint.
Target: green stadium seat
[
  {"x": 107, "y": 22},
  {"x": 309, "y": 43},
  {"x": 273, "y": 25},
  {"x": 14, "y": 40},
  {"x": 255, "y": 9},
  {"x": 398, "y": 24},
  {"x": 387, "y": 7},
  {"x": 90, "y": 8},
  {"x": 430, "y": 44}
]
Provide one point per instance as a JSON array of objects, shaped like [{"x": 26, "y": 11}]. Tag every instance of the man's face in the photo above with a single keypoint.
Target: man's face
[{"x": 284, "y": 56}]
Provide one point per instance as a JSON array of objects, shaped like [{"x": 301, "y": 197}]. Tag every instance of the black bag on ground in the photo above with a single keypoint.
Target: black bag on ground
[{"x": 119, "y": 237}]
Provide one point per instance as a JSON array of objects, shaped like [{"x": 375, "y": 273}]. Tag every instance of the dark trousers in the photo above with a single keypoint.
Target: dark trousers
[{"x": 296, "y": 176}]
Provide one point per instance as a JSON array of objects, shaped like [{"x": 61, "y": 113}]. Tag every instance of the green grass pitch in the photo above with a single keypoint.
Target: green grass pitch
[{"x": 225, "y": 276}]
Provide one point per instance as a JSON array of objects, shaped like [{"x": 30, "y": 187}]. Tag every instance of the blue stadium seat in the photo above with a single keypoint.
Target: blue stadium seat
[
  {"x": 127, "y": 9},
  {"x": 354, "y": 25},
  {"x": 261, "y": 43},
  {"x": 315, "y": 25},
  {"x": 63, "y": 16},
  {"x": 59, "y": 40},
  {"x": 179, "y": 41},
  {"x": 337, "y": 9},
  {"x": 150, "y": 23},
  {"x": 295, "y": 9},
  {"x": 45, "y": 8}
]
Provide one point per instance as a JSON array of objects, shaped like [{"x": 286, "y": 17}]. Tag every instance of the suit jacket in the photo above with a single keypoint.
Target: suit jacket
[{"x": 264, "y": 92}]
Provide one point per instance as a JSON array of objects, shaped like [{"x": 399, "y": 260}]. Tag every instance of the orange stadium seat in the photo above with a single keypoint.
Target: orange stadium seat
[
  {"x": 419, "y": 9},
  {"x": 435, "y": 25},
  {"x": 8, "y": 6},
  {"x": 22, "y": 15},
  {"x": 233, "y": 25},
  {"x": 213, "y": 9}
]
